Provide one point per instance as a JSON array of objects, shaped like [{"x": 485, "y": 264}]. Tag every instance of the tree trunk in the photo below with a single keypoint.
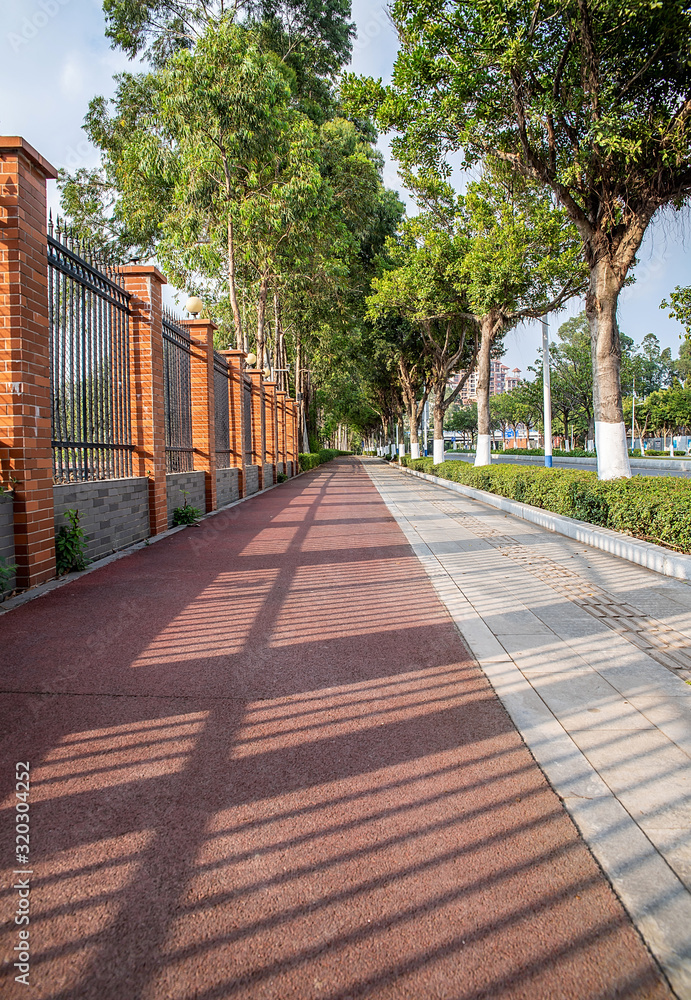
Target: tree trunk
[
  {"x": 261, "y": 319},
  {"x": 610, "y": 431},
  {"x": 414, "y": 439},
  {"x": 232, "y": 287},
  {"x": 278, "y": 340},
  {"x": 483, "y": 453},
  {"x": 439, "y": 410}
]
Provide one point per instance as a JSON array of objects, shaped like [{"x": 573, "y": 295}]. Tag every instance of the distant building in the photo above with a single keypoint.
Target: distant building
[{"x": 501, "y": 379}]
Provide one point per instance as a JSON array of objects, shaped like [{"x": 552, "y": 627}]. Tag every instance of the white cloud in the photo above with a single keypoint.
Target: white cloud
[{"x": 73, "y": 79}]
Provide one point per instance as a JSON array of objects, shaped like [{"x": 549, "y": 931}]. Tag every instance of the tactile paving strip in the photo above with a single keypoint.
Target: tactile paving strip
[{"x": 663, "y": 643}]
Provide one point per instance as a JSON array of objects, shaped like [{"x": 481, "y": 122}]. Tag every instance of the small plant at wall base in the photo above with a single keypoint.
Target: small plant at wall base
[
  {"x": 7, "y": 571},
  {"x": 70, "y": 545},
  {"x": 281, "y": 477},
  {"x": 187, "y": 514}
]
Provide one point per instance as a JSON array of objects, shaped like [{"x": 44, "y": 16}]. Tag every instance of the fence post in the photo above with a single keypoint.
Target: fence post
[
  {"x": 201, "y": 333},
  {"x": 236, "y": 414},
  {"x": 144, "y": 282},
  {"x": 25, "y": 396},
  {"x": 281, "y": 421},
  {"x": 258, "y": 423},
  {"x": 271, "y": 427}
]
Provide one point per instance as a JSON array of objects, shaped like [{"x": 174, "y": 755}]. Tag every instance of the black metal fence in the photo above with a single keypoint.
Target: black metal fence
[
  {"x": 89, "y": 363},
  {"x": 177, "y": 396},
  {"x": 221, "y": 411}
]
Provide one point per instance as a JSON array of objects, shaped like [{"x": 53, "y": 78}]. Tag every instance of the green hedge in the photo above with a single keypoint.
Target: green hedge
[
  {"x": 655, "y": 508},
  {"x": 310, "y": 460}
]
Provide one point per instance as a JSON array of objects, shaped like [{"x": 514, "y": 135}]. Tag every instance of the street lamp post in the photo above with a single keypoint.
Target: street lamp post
[{"x": 547, "y": 393}]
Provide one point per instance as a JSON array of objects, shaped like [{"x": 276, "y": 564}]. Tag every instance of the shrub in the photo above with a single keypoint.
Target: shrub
[
  {"x": 187, "y": 514},
  {"x": 70, "y": 545},
  {"x": 310, "y": 460},
  {"x": 654, "y": 508},
  {"x": 7, "y": 571}
]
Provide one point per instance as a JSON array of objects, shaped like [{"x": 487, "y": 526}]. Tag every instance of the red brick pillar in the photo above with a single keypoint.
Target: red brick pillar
[
  {"x": 258, "y": 424},
  {"x": 201, "y": 333},
  {"x": 236, "y": 413},
  {"x": 291, "y": 436},
  {"x": 26, "y": 453},
  {"x": 144, "y": 282},
  {"x": 281, "y": 405},
  {"x": 271, "y": 421}
]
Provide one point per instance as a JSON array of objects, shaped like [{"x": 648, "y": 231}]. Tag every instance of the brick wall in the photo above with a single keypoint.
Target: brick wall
[
  {"x": 194, "y": 483},
  {"x": 251, "y": 479},
  {"x": 25, "y": 402},
  {"x": 227, "y": 486},
  {"x": 114, "y": 512},
  {"x": 7, "y": 535}
]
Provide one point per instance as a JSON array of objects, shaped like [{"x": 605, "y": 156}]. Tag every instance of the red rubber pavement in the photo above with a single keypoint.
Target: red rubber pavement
[{"x": 263, "y": 765}]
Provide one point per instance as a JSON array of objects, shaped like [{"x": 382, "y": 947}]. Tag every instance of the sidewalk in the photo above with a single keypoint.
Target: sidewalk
[
  {"x": 586, "y": 652},
  {"x": 263, "y": 765}
]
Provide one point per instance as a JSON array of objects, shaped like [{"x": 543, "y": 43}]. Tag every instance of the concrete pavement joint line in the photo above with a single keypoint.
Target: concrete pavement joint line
[
  {"x": 645, "y": 554},
  {"x": 115, "y": 694},
  {"x": 656, "y": 899}
]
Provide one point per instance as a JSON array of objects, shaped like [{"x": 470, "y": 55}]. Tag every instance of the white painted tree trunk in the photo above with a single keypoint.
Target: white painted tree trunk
[
  {"x": 610, "y": 432},
  {"x": 414, "y": 449},
  {"x": 483, "y": 452},
  {"x": 612, "y": 451},
  {"x": 438, "y": 450}
]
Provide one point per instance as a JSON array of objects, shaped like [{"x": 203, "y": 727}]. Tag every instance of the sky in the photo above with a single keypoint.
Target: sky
[{"x": 55, "y": 58}]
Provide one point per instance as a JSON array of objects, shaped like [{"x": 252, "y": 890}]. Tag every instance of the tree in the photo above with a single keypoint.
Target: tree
[
  {"x": 653, "y": 368},
  {"x": 521, "y": 259},
  {"x": 591, "y": 98},
  {"x": 464, "y": 419},
  {"x": 502, "y": 410},
  {"x": 416, "y": 286},
  {"x": 314, "y": 39},
  {"x": 679, "y": 306}
]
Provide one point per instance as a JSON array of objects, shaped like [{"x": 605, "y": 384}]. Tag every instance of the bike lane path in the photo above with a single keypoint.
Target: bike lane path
[{"x": 263, "y": 764}]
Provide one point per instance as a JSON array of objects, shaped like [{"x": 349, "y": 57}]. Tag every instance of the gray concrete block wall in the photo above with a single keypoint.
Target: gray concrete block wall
[
  {"x": 289, "y": 469},
  {"x": 7, "y": 538},
  {"x": 251, "y": 479},
  {"x": 193, "y": 483},
  {"x": 227, "y": 486},
  {"x": 268, "y": 474},
  {"x": 114, "y": 512},
  {"x": 280, "y": 467}
]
